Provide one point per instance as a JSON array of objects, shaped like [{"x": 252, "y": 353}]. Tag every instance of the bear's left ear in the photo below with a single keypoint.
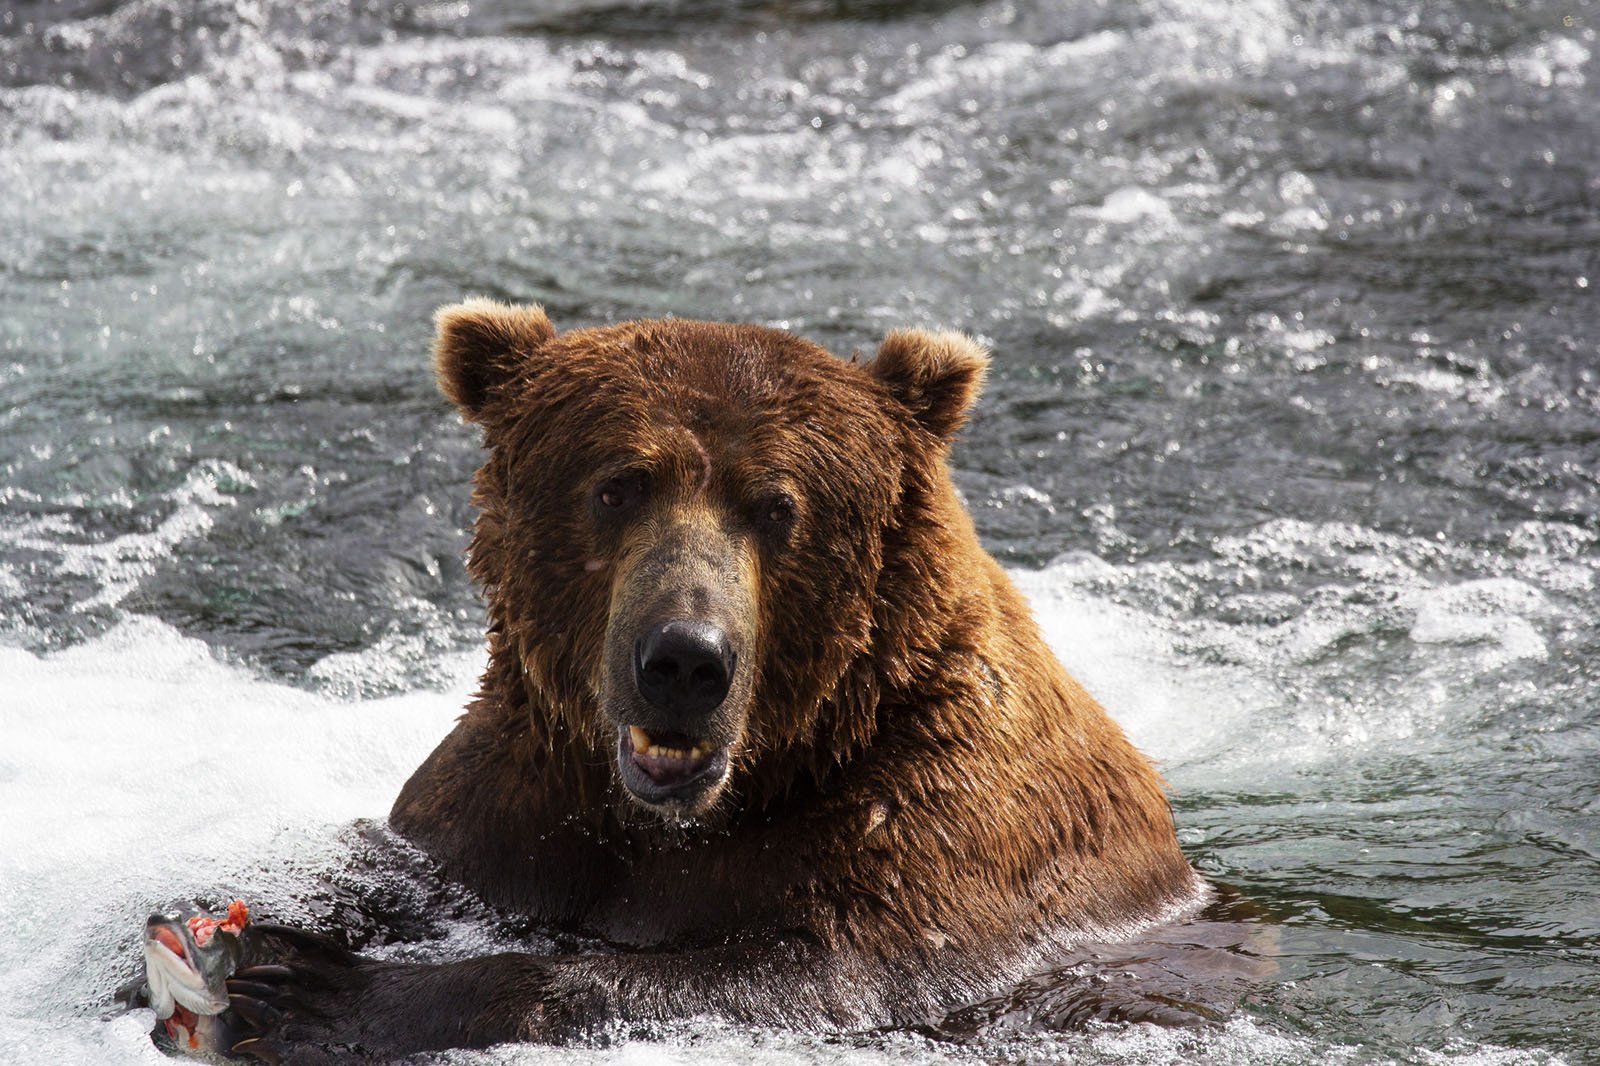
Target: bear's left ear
[
  {"x": 480, "y": 344},
  {"x": 935, "y": 375}
]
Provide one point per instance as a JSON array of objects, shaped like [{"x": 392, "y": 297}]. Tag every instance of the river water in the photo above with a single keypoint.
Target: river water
[{"x": 1293, "y": 437}]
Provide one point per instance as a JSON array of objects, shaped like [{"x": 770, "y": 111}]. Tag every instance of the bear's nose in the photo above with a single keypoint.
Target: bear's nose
[{"x": 684, "y": 667}]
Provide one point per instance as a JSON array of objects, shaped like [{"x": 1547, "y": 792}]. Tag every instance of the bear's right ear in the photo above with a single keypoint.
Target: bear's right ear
[
  {"x": 478, "y": 345},
  {"x": 935, "y": 375}
]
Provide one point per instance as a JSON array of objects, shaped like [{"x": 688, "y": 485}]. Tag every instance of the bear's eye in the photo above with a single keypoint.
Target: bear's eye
[
  {"x": 616, "y": 493},
  {"x": 778, "y": 511}
]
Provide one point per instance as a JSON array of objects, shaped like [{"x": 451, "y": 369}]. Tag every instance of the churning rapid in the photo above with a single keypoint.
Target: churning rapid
[{"x": 1293, "y": 437}]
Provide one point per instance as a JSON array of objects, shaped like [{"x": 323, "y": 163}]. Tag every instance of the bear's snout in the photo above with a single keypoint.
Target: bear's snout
[
  {"x": 676, "y": 683},
  {"x": 684, "y": 668}
]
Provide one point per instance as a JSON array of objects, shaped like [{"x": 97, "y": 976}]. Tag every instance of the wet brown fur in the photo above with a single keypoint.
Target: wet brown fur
[{"x": 925, "y": 805}]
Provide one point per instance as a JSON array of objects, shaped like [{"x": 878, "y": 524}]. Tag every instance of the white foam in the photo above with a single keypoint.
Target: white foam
[
  {"x": 1557, "y": 61},
  {"x": 1131, "y": 205},
  {"x": 1493, "y": 613},
  {"x": 1174, "y": 712},
  {"x": 999, "y": 66},
  {"x": 1384, "y": 657},
  {"x": 137, "y": 770},
  {"x": 1241, "y": 1042},
  {"x": 10, "y": 584}
]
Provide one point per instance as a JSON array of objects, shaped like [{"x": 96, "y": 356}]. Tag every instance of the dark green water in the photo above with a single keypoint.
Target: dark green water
[{"x": 1293, "y": 436}]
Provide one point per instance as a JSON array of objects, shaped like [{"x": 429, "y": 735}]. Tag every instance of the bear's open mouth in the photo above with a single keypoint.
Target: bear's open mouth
[{"x": 668, "y": 768}]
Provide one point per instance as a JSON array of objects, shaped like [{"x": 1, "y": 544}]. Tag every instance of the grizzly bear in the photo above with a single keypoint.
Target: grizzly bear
[{"x": 759, "y": 710}]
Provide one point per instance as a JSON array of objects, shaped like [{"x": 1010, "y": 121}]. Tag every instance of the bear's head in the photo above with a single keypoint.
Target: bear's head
[{"x": 685, "y": 529}]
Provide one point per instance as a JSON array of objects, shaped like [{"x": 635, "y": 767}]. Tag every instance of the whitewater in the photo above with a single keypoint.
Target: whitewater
[{"x": 1292, "y": 439}]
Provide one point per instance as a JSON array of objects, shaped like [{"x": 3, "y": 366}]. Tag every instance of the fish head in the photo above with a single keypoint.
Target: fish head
[{"x": 188, "y": 957}]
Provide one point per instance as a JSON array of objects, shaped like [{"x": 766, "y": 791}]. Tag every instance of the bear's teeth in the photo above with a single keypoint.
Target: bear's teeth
[{"x": 644, "y": 744}]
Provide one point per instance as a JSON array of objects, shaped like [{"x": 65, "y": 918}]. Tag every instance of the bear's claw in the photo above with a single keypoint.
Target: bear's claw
[
  {"x": 260, "y": 1048},
  {"x": 258, "y": 1014}
]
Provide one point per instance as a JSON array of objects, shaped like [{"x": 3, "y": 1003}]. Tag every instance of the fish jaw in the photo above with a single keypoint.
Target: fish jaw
[{"x": 173, "y": 979}]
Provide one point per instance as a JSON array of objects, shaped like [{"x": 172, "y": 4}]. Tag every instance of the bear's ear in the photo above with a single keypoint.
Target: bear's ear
[
  {"x": 935, "y": 375},
  {"x": 479, "y": 345}
]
